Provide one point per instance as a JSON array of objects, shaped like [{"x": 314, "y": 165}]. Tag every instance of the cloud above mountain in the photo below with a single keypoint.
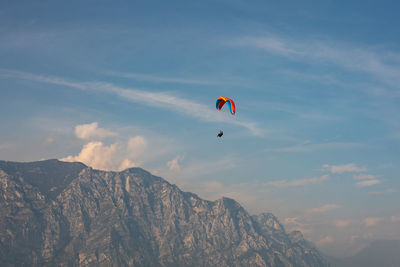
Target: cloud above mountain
[
  {"x": 92, "y": 131},
  {"x": 174, "y": 165},
  {"x": 117, "y": 155}
]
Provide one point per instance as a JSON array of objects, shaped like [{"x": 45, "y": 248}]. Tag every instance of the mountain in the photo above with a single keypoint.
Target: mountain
[
  {"x": 378, "y": 253},
  {"x": 56, "y": 213}
]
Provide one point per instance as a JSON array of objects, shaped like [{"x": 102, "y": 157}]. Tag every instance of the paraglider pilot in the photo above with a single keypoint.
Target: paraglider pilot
[{"x": 231, "y": 105}]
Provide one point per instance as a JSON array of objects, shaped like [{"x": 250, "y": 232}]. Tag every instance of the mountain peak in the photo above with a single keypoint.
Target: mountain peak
[
  {"x": 50, "y": 176},
  {"x": 228, "y": 202}
]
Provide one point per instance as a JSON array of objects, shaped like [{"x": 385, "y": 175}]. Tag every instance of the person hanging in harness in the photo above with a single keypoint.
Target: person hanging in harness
[{"x": 221, "y": 101}]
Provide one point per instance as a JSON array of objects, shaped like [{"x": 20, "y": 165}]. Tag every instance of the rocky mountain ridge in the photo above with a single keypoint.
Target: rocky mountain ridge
[{"x": 55, "y": 213}]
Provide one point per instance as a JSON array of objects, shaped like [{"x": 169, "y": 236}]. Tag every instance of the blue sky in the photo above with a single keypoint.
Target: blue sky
[{"x": 316, "y": 137}]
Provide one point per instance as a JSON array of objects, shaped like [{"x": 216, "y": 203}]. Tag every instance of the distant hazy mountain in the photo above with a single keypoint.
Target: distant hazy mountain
[
  {"x": 385, "y": 253},
  {"x": 55, "y": 213}
]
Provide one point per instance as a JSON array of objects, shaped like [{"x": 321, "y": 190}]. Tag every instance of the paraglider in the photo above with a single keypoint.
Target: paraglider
[
  {"x": 231, "y": 105},
  {"x": 229, "y": 102}
]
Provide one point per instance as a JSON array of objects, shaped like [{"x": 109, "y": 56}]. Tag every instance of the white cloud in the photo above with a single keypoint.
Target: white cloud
[
  {"x": 298, "y": 182},
  {"x": 368, "y": 183},
  {"x": 344, "y": 168},
  {"x": 97, "y": 155},
  {"x": 92, "y": 131},
  {"x": 324, "y": 208},
  {"x": 116, "y": 156},
  {"x": 372, "y": 221},
  {"x": 174, "y": 164},
  {"x": 342, "y": 223},
  {"x": 119, "y": 155},
  {"x": 100, "y": 156},
  {"x": 325, "y": 241},
  {"x": 364, "y": 176}
]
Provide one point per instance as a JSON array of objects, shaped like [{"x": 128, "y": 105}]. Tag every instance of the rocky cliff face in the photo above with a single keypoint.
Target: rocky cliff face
[{"x": 54, "y": 213}]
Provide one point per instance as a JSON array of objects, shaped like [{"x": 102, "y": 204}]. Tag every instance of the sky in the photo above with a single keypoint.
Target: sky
[{"x": 117, "y": 84}]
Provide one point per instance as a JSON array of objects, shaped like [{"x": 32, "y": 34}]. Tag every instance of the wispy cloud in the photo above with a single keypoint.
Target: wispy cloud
[
  {"x": 368, "y": 183},
  {"x": 162, "y": 79},
  {"x": 298, "y": 182},
  {"x": 312, "y": 147},
  {"x": 342, "y": 223},
  {"x": 384, "y": 192},
  {"x": 302, "y": 112},
  {"x": 272, "y": 44},
  {"x": 364, "y": 177},
  {"x": 156, "y": 99},
  {"x": 325, "y": 241},
  {"x": 366, "y": 180},
  {"x": 395, "y": 218},
  {"x": 324, "y": 208},
  {"x": 372, "y": 221},
  {"x": 355, "y": 58},
  {"x": 48, "y": 141},
  {"x": 386, "y": 165},
  {"x": 344, "y": 168}
]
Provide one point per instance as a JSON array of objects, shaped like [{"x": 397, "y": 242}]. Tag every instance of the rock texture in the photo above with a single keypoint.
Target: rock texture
[{"x": 55, "y": 213}]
